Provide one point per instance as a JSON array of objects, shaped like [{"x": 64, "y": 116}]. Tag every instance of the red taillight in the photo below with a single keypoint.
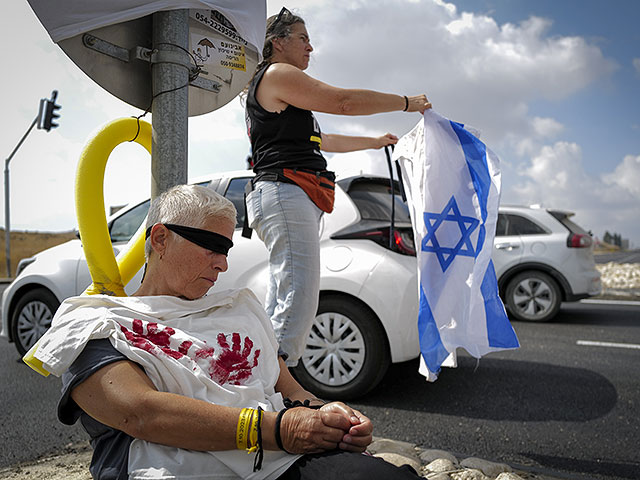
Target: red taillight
[
  {"x": 579, "y": 240},
  {"x": 402, "y": 239},
  {"x": 404, "y": 243}
]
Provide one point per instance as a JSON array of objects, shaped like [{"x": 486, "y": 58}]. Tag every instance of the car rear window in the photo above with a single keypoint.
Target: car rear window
[
  {"x": 235, "y": 193},
  {"x": 374, "y": 201},
  {"x": 564, "y": 219},
  {"x": 510, "y": 224}
]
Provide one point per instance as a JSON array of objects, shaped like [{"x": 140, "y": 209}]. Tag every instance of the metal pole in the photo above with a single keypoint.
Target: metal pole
[
  {"x": 170, "y": 110},
  {"x": 7, "y": 221}
]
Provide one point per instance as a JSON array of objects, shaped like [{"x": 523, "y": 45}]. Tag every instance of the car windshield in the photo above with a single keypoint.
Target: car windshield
[
  {"x": 373, "y": 199},
  {"x": 124, "y": 227}
]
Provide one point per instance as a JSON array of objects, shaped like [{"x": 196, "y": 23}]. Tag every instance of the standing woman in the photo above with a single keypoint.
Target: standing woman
[{"x": 292, "y": 187}]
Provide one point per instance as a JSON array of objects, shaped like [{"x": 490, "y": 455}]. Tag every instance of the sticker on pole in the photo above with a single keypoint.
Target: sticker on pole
[{"x": 218, "y": 52}]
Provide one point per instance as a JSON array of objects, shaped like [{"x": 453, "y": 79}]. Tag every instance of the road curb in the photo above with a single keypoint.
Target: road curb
[{"x": 73, "y": 464}]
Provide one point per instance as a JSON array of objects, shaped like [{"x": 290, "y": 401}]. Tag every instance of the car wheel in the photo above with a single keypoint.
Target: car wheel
[
  {"x": 32, "y": 317},
  {"x": 346, "y": 353},
  {"x": 533, "y": 296}
]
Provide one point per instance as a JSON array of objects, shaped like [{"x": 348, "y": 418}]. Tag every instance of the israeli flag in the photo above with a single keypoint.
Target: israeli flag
[{"x": 452, "y": 182}]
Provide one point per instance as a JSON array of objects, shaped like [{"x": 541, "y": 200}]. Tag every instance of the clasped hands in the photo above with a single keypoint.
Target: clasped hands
[{"x": 335, "y": 425}]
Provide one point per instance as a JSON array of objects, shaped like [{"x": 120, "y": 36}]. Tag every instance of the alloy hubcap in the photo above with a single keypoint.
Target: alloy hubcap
[
  {"x": 34, "y": 320},
  {"x": 533, "y": 297}
]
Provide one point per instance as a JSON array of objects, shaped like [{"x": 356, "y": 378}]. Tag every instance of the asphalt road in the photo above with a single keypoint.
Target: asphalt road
[
  {"x": 629, "y": 256},
  {"x": 554, "y": 404}
]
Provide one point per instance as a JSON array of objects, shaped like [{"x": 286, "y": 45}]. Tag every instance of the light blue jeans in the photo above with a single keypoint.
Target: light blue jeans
[{"x": 288, "y": 223}]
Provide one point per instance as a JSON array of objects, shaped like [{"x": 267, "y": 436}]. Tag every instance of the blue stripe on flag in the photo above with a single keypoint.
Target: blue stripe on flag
[
  {"x": 431, "y": 346},
  {"x": 499, "y": 330},
  {"x": 475, "y": 153},
  {"x": 500, "y": 333}
]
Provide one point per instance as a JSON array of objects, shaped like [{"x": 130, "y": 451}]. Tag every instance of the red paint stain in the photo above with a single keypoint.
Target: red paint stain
[
  {"x": 233, "y": 365},
  {"x": 184, "y": 347},
  {"x": 204, "y": 353},
  {"x": 159, "y": 336},
  {"x": 155, "y": 338}
]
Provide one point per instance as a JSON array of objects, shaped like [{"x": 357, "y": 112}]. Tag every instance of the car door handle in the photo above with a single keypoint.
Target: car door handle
[{"x": 507, "y": 246}]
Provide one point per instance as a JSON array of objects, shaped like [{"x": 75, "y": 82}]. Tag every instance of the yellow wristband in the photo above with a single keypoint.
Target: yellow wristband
[
  {"x": 252, "y": 444},
  {"x": 242, "y": 430}
]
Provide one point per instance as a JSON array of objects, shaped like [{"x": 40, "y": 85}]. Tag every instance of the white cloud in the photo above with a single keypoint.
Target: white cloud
[
  {"x": 555, "y": 178},
  {"x": 547, "y": 127},
  {"x": 636, "y": 64},
  {"x": 484, "y": 74},
  {"x": 626, "y": 175}
]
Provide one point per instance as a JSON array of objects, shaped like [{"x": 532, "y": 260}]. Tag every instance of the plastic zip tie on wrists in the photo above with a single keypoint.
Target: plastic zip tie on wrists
[
  {"x": 242, "y": 430},
  {"x": 257, "y": 463}
]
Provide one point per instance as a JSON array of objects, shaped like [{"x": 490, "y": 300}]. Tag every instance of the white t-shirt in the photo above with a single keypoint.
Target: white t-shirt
[{"x": 220, "y": 349}]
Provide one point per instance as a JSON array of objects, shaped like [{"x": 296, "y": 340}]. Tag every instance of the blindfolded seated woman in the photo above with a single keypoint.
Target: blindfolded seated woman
[{"x": 179, "y": 382}]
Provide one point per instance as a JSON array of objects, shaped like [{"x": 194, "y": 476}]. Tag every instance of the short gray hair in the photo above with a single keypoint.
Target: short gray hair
[{"x": 188, "y": 205}]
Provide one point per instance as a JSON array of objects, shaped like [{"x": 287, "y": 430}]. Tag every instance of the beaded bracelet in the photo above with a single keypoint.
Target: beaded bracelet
[{"x": 288, "y": 404}]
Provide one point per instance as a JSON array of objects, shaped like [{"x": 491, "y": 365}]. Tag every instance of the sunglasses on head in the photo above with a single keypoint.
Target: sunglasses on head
[{"x": 283, "y": 13}]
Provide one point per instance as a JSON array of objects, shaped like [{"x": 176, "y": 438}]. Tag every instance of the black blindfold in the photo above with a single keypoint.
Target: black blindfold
[{"x": 211, "y": 241}]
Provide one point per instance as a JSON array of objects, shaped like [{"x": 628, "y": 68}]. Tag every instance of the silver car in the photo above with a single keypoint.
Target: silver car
[{"x": 542, "y": 258}]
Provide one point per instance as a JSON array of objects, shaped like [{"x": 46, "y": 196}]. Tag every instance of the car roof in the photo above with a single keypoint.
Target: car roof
[{"x": 557, "y": 211}]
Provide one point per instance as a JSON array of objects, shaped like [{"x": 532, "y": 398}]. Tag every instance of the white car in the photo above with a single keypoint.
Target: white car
[{"x": 367, "y": 315}]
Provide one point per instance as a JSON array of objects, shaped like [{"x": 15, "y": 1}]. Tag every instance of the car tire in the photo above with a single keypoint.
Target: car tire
[
  {"x": 533, "y": 296},
  {"x": 346, "y": 352},
  {"x": 32, "y": 317}
]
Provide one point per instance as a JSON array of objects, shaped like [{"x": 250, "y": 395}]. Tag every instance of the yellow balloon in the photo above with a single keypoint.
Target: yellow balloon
[{"x": 108, "y": 274}]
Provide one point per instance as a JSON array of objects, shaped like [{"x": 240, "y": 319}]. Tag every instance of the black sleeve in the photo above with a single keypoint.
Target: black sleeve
[{"x": 96, "y": 354}]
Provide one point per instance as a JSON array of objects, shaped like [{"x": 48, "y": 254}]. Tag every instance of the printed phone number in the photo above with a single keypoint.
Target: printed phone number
[
  {"x": 235, "y": 65},
  {"x": 211, "y": 23}
]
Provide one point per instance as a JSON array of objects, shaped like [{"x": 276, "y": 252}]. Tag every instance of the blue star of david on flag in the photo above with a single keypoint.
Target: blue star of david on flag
[{"x": 466, "y": 224}]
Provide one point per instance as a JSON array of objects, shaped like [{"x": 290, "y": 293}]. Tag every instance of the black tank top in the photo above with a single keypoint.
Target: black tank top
[{"x": 289, "y": 139}]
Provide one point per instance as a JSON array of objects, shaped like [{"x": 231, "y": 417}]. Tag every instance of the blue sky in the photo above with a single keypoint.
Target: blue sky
[
  {"x": 611, "y": 26},
  {"x": 552, "y": 86}
]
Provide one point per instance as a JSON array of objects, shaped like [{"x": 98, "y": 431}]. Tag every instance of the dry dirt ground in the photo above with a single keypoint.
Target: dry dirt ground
[
  {"x": 71, "y": 464},
  {"x": 25, "y": 244}
]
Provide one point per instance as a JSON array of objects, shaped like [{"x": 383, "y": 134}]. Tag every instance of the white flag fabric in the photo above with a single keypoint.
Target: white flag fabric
[{"x": 452, "y": 182}]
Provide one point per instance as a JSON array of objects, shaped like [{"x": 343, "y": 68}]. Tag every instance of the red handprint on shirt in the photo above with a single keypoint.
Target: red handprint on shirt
[
  {"x": 233, "y": 364},
  {"x": 156, "y": 336}
]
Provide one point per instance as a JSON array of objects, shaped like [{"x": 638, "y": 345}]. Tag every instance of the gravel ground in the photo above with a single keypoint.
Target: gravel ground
[
  {"x": 431, "y": 464},
  {"x": 620, "y": 280}
]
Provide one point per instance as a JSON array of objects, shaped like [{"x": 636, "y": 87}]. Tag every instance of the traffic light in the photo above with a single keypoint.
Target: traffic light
[{"x": 47, "y": 112}]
